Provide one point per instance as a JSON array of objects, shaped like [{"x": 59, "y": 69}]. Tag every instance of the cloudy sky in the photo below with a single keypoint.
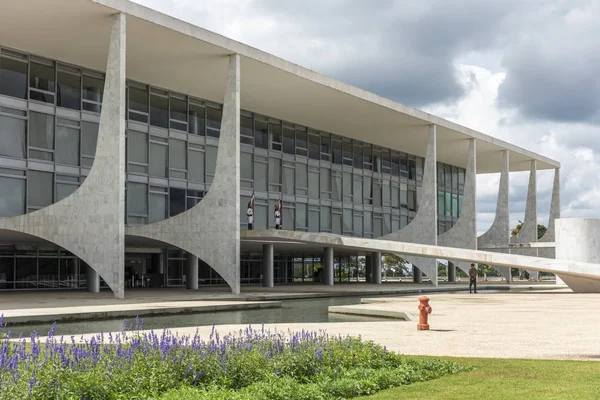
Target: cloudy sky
[{"x": 522, "y": 71}]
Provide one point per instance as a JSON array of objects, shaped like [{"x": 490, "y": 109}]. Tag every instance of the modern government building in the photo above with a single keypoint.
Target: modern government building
[{"x": 132, "y": 144}]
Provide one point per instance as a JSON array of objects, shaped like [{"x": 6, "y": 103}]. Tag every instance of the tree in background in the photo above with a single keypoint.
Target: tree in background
[
  {"x": 442, "y": 269},
  {"x": 394, "y": 266}
]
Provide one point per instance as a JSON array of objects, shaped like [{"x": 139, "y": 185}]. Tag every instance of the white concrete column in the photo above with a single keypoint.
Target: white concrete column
[
  {"x": 191, "y": 272},
  {"x": 499, "y": 232},
  {"x": 93, "y": 280},
  {"x": 423, "y": 228},
  {"x": 376, "y": 268},
  {"x": 328, "y": 266},
  {"x": 550, "y": 234},
  {"x": 268, "y": 270}
]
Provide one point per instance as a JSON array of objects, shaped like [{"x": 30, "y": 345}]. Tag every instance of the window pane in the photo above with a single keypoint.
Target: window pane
[
  {"x": 196, "y": 114},
  {"x": 261, "y": 134},
  {"x": 448, "y": 204},
  {"x": 313, "y": 184},
  {"x": 301, "y": 215},
  {"x": 196, "y": 166},
  {"x": 69, "y": 91},
  {"x": 67, "y": 145},
  {"x": 137, "y": 198},
  {"x": 368, "y": 189},
  {"x": 358, "y": 190},
  {"x": 275, "y": 136},
  {"x": 176, "y": 201},
  {"x": 93, "y": 89},
  {"x": 301, "y": 141},
  {"x": 42, "y": 78},
  {"x": 246, "y": 130},
  {"x": 89, "y": 138},
  {"x": 347, "y": 186},
  {"x": 39, "y": 188},
  {"x": 288, "y": 140},
  {"x": 358, "y": 156},
  {"x": 395, "y": 197},
  {"x": 13, "y": 132},
  {"x": 386, "y": 193},
  {"x": 159, "y": 111},
  {"x": 274, "y": 170},
  {"x": 325, "y": 180},
  {"x": 138, "y": 99},
  {"x": 325, "y": 147},
  {"x": 137, "y": 145},
  {"x": 260, "y": 176},
  {"x": 178, "y": 109},
  {"x": 158, "y": 160},
  {"x": 288, "y": 181},
  {"x": 12, "y": 201},
  {"x": 313, "y": 147},
  {"x": 13, "y": 78},
  {"x": 337, "y": 151},
  {"x": 301, "y": 176},
  {"x": 246, "y": 171},
  {"x": 325, "y": 218},
  {"x": 358, "y": 225},
  {"x": 41, "y": 130},
  {"x": 158, "y": 207},
  {"x": 368, "y": 222},
  {"x": 347, "y": 220},
  {"x": 377, "y": 193},
  {"x": 288, "y": 218},
  {"x": 336, "y": 193},
  {"x": 213, "y": 118},
  {"x": 211, "y": 160},
  {"x": 336, "y": 223},
  {"x": 441, "y": 203},
  {"x": 177, "y": 154},
  {"x": 64, "y": 190},
  {"x": 454, "y": 205},
  {"x": 313, "y": 220}
]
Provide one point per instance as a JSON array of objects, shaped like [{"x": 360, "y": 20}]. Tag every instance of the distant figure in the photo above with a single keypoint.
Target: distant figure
[
  {"x": 277, "y": 218},
  {"x": 250, "y": 214},
  {"x": 473, "y": 278}
]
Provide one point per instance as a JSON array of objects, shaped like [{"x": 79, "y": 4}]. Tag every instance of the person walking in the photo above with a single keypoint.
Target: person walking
[
  {"x": 277, "y": 218},
  {"x": 250, "y": 214},
  {"x": 473, "y": 278}
]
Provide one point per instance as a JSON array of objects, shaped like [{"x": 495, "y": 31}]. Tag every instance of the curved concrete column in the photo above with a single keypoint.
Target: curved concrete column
[
  {"x": 89, "y": 222},
  {"x": 423, "y": 228},
  {"x": 464, "y": 233},
  {"x": 578, "y": 239},
  {"x": 211, "y": 229},
  {"x": 529, "y": 231},
  {"x": 268, "y": 265},
  {"x": 328, "y": 266},
  {"x": 550, "y": 234},
  {"x": 499, "y": 232}
]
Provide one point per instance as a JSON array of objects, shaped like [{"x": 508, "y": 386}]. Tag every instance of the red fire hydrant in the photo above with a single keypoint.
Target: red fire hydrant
[{"x": 425, "y": 309}]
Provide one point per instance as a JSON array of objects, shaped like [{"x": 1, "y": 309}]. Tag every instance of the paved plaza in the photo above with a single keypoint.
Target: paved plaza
[{"x": 545, "y": 325}]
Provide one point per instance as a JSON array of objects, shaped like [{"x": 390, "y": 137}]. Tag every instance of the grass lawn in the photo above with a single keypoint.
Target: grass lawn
[{"x": 507, "y": 379}]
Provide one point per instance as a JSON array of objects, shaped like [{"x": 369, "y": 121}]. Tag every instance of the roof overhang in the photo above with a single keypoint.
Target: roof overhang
[{"x": 178, "y": 56}]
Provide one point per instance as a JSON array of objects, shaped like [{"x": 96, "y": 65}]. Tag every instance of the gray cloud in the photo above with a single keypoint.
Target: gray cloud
[{"x": 552, "y": 64}]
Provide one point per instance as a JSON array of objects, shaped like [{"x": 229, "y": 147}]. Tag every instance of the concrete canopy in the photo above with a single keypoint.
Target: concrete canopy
[{"x": 178, "y": 56}]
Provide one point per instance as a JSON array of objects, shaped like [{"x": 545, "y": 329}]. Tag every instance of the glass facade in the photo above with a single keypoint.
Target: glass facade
[{"x": 49, "y": 117}]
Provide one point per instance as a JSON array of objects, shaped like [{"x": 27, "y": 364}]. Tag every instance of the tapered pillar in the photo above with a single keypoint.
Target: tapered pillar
[
  {"x": 369, "y": 269},
  {"x": 451, "y": 272},
  {"x": 377, "y": 268},
  {"x": 328, "y": 266},
  {"x": 268, "y": 265},
  {"x": 93, "y": 280},
  {"x": 191, "y": 272}
]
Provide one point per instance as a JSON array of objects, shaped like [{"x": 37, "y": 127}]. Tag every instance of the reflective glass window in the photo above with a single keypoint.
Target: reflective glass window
[
  {"x": 177, "y": 154},
  {"x": 213, "y": 121},
  {"x": 196, "y": 166},
  {"x": 246, "y": 130},
  {"x": 12, "y": 201},
  {"x": 41, "y": 82},
  {"x": 158, "y": 160},
  {"x": 261, "y": 134},
  {"x": 13, "y": 77},
  {"x": 260, "y": 176},
  {"x": 68, "y": 94},
  {"x": 301, "y": 176},
  {"x": 301, "y": 215},
  {"x": 137, "y": 198},
  {"x": 13, "y": 132},
  {"x": 176, "y": 201},
  {"x": 337, "y": 151},
  {"x": 41, "y": 130},
  {"x": 377, "y": 193},
  {"x": 288, "y": 140},
  {"x": 336, "y": 193},
  {"x": 276, "y": 139},
  {"x": 275, "y": 174},
  {"x": 325, "y": 218},
  {"x": 246, "y": 169},
  {"x": 288, "y": 180},
  {"x": 178, "y": 113},
  {"x": 313, "y": 184},
  {"x": 211, "y": 160},
  {"x": 67, "y": 145},
  {"x": 93, "y": 89},
  {"x": 358, "y": 189},
  {"x": 197, "y": 119},
  {"x": 347, "y": 221},
  {"x": 358, "y": 155},
  {"x": 313, "y": 146},
  {"x": 159, "y": 111},
  {"x": 157, "y": 207},
  {"x": 89, "y": 138},
  {"x": 39, "y": 189}
]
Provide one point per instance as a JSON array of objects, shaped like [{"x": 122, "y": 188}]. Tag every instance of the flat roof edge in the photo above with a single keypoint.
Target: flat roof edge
[{"x": 186, "y": 28}]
